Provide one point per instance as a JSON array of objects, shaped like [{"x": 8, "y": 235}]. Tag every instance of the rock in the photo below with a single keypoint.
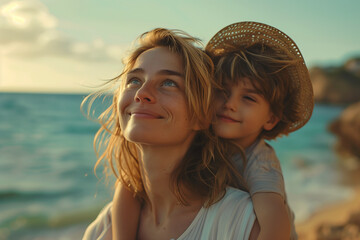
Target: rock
[
  {"x": 355, "y": 219},
  {"x": 349, "y": 230},
  {"x": 341, "y": 232},
  {"x": 353, "y": 65},
  {"x": 337, "y": 85},
  {"x": 347, "y": 130}
]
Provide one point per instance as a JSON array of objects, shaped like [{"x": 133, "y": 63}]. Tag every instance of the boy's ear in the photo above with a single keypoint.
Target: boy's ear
[{"x": 271, "y": 123}]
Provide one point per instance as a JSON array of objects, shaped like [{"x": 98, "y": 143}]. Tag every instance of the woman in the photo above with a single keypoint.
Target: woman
[{"x": 157, "y": 133}]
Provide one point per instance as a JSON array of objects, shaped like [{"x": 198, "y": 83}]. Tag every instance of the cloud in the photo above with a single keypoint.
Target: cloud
[
  {"x": 24, "y": 21},
  {"x": 27, "y": 29}
]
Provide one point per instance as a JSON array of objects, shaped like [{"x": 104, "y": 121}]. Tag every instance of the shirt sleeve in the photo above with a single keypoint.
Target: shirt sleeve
[
  {"x": 263, "y": 172},
  {"x": 100, "y": 228}
]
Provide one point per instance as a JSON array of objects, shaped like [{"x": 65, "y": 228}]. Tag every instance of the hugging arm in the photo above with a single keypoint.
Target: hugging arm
[
  {"x": 125, "y": 214},
  {"x": 254, "y": 234},
  {"x": 272, "y": 215}
]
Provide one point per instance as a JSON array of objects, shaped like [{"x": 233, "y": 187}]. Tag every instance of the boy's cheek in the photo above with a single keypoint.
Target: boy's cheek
[{"x": 219, "y": 102}]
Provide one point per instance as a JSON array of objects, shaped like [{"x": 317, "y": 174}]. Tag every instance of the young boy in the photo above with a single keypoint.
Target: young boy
[{"x": 267, "y": 93}]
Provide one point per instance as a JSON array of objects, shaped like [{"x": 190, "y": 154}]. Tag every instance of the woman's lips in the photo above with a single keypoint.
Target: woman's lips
[{"x": 145, "y": 114}]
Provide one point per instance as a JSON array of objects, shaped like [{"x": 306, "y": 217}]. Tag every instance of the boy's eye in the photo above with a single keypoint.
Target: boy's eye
[
  {"x": 221, "y": 93},
  {"x": 227, "y": 92},
  {"x": 169, "y": 83},
  {"x": 249, "y": 98}
]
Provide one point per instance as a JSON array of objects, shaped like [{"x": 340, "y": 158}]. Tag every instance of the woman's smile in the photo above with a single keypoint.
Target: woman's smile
[{"x": 145, "y": 114}]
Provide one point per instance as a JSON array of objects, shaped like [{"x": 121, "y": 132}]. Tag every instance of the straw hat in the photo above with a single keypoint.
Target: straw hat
[{"x": 244, "y": 34}]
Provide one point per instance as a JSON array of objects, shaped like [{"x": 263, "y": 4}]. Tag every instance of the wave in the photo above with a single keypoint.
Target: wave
[
  {"x": 12, "y": 105},
  {"x": 81, "y": 129},
  {"x": 43, "y": 221},
  {"x": 27, "y": 223},
  {"x": 14, "y": 195}
]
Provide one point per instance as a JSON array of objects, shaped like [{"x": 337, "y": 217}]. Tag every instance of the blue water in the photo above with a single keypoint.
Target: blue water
[{"x": 46, "y": 165}]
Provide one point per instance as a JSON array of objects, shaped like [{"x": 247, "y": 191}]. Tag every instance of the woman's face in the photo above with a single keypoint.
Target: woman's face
[{"x": 152, "y": 103}]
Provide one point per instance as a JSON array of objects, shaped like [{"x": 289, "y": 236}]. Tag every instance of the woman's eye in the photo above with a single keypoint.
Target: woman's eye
[
  {"x": 133, "y": 81},
  {"x": 169, "y": 83}
]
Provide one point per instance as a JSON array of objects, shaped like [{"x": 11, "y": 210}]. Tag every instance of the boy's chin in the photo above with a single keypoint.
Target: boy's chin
[{"x": 226, "y": 135}]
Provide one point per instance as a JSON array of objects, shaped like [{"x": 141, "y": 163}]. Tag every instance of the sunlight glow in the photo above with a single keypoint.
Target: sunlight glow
[{"x": 10, "y": 12}]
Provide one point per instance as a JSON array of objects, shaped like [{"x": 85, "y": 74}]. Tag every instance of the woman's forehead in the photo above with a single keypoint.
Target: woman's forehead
[{"x": 157, "y": 59}]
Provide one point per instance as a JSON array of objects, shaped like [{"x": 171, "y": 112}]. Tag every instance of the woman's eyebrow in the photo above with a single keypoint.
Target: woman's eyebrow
[
  {"x": 170, "y": 72},
  {"x": 136, "y": 70},
  {"x": 160, "y": 72}
]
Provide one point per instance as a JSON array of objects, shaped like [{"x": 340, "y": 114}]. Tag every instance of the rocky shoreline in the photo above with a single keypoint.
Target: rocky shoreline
[
  {"x": 339, "y": 86},
  {"x": 347, "y": 130}
]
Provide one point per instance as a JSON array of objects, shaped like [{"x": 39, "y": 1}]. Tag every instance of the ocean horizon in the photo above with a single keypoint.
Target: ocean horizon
[{"x": 48, "y": 189}]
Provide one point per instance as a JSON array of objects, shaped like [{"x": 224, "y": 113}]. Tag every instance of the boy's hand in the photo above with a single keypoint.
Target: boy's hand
[{"x": 272, "y": 215}]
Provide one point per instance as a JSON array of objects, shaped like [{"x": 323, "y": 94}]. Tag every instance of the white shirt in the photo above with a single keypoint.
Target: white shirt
[{"x": 230, "y": 218}]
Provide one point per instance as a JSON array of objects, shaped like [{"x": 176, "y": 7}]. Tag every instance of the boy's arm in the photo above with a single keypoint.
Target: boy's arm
[
  {"x": 272, "y": 215},
  {"x": 125, "y": 214},
  {"x": 254, "y": 234}
]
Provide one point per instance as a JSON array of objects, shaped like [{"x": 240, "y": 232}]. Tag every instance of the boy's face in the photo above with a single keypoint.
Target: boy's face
[{"x": 242, "y": 113}]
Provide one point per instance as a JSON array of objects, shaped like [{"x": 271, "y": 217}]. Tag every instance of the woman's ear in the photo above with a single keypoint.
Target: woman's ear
[{"x": 271, "y": 123}]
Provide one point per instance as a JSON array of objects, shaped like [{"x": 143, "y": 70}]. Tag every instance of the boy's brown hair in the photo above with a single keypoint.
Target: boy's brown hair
[
  {"x": 275, "y": 66},
  {"x": 267, "y": 70}
]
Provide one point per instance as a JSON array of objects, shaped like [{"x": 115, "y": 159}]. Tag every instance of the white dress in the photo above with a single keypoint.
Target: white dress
[{"x": 231, "y": 218}]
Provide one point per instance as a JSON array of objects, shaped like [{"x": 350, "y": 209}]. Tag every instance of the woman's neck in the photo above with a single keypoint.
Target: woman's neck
[{"x": 157, "y": 165}]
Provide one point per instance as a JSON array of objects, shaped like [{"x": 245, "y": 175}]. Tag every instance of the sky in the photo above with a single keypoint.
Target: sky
[{"x": 73, "y": 46}]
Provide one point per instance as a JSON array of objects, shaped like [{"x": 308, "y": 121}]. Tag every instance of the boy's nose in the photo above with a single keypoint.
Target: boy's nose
[
  {"x": 231, "y": 103},
  {"x": 145, "y": 94}
]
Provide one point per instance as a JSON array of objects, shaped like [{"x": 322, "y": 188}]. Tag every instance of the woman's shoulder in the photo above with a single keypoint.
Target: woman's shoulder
[
  {"x": 232, "y": 217},
  {"x": 100, "y": 228},
  {"x": 236, "y": 205},
  {"x": 236, "y": 193},
  {"x": 235, "y": 199}
]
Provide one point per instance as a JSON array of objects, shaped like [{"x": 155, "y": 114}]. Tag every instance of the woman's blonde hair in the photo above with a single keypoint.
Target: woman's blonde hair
[{"x": 206, "y": 168}]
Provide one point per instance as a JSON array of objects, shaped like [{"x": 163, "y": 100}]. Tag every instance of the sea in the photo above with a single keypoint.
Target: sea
[{"x": 48, "y": 188}]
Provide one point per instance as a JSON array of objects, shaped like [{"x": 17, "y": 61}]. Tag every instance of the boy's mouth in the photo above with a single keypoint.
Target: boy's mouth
[{"x": 226, "y": 118}]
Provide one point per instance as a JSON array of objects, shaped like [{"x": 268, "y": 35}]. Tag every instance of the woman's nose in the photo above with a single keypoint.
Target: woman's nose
[{"x": 145, "y": 94}]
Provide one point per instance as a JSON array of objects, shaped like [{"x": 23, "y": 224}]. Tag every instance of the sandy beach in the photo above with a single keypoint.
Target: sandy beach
[{"x": 334, "y": 222}]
